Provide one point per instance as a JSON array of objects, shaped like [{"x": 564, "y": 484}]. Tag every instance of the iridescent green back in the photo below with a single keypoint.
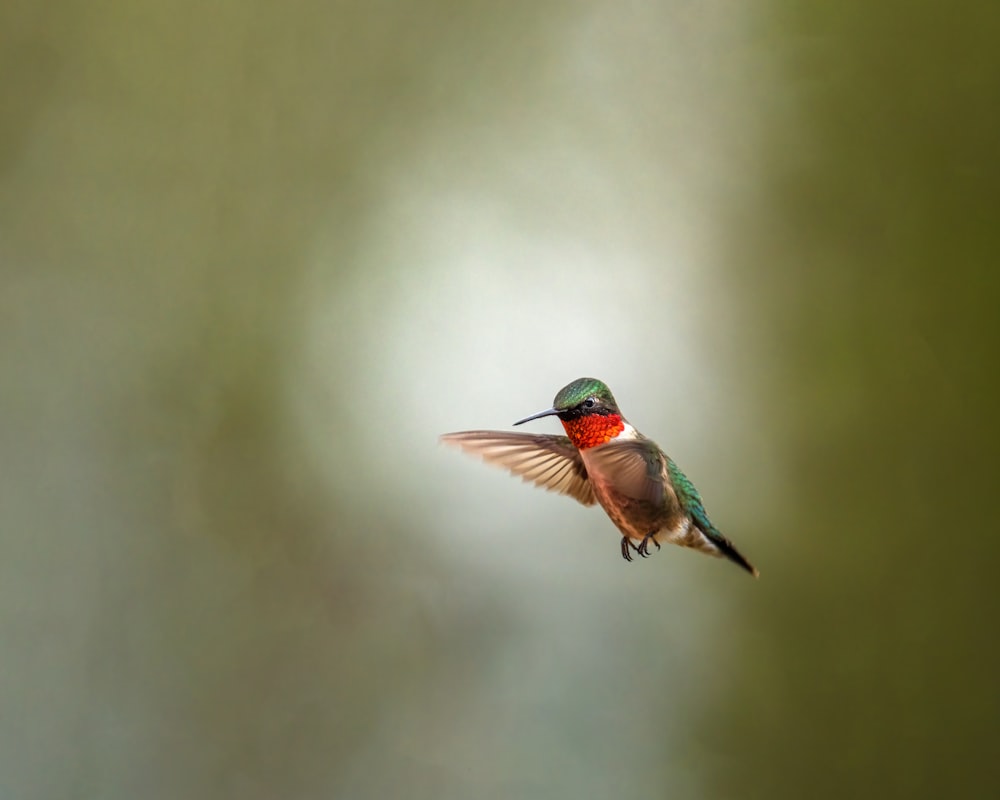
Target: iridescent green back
[{"x": 689, "y": 498}]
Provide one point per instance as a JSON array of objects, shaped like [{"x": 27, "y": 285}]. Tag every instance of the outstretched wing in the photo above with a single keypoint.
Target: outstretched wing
[{"x": 551, "y": 462}]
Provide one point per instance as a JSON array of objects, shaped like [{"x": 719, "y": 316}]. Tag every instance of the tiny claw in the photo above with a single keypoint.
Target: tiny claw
[
  {"x": 625, "y": 548},
  {"x": 643, "y": 548}
]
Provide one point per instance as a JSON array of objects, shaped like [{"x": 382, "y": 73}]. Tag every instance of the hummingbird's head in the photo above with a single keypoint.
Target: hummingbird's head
[{"x": 584, "y": 397}]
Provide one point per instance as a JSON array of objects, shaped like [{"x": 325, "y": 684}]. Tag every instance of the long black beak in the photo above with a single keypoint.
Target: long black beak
[{"x": 547, "y": 413}]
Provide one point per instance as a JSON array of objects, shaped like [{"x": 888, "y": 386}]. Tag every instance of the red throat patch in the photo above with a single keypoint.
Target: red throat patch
[{"x": 594, "y": 429}]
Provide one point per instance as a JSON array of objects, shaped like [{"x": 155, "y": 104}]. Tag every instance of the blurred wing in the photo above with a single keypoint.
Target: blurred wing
[
  {"x": 551, "y": 462},
  {"x": 634, "y": 467}
]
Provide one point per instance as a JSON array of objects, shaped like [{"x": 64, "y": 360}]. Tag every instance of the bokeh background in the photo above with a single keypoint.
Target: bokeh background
[{"x": 255, "y": 257}]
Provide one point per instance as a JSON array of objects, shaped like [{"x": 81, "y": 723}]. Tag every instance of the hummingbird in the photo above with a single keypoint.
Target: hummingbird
[{"x": 603, "y": 459}]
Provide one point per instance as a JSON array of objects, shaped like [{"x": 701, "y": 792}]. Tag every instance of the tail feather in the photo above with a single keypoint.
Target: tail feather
[{"x": 726, "y": 549}]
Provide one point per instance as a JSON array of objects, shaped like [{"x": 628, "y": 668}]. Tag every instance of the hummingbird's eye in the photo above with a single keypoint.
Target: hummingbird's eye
[{"x": 589, "y": 402}]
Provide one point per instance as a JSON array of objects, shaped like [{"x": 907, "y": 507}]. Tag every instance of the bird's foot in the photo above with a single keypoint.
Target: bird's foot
[
  {"x": 643, "y": 548},
  {"x": 627, "y": 545}
]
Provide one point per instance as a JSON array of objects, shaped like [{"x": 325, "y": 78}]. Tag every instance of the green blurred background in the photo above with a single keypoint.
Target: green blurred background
[{"x": 255, "y": 257}]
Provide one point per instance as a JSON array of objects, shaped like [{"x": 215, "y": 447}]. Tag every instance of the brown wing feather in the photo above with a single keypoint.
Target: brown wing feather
[
  {"x": 635, "y": 467},
  {"x": 551, "y": 462}
]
